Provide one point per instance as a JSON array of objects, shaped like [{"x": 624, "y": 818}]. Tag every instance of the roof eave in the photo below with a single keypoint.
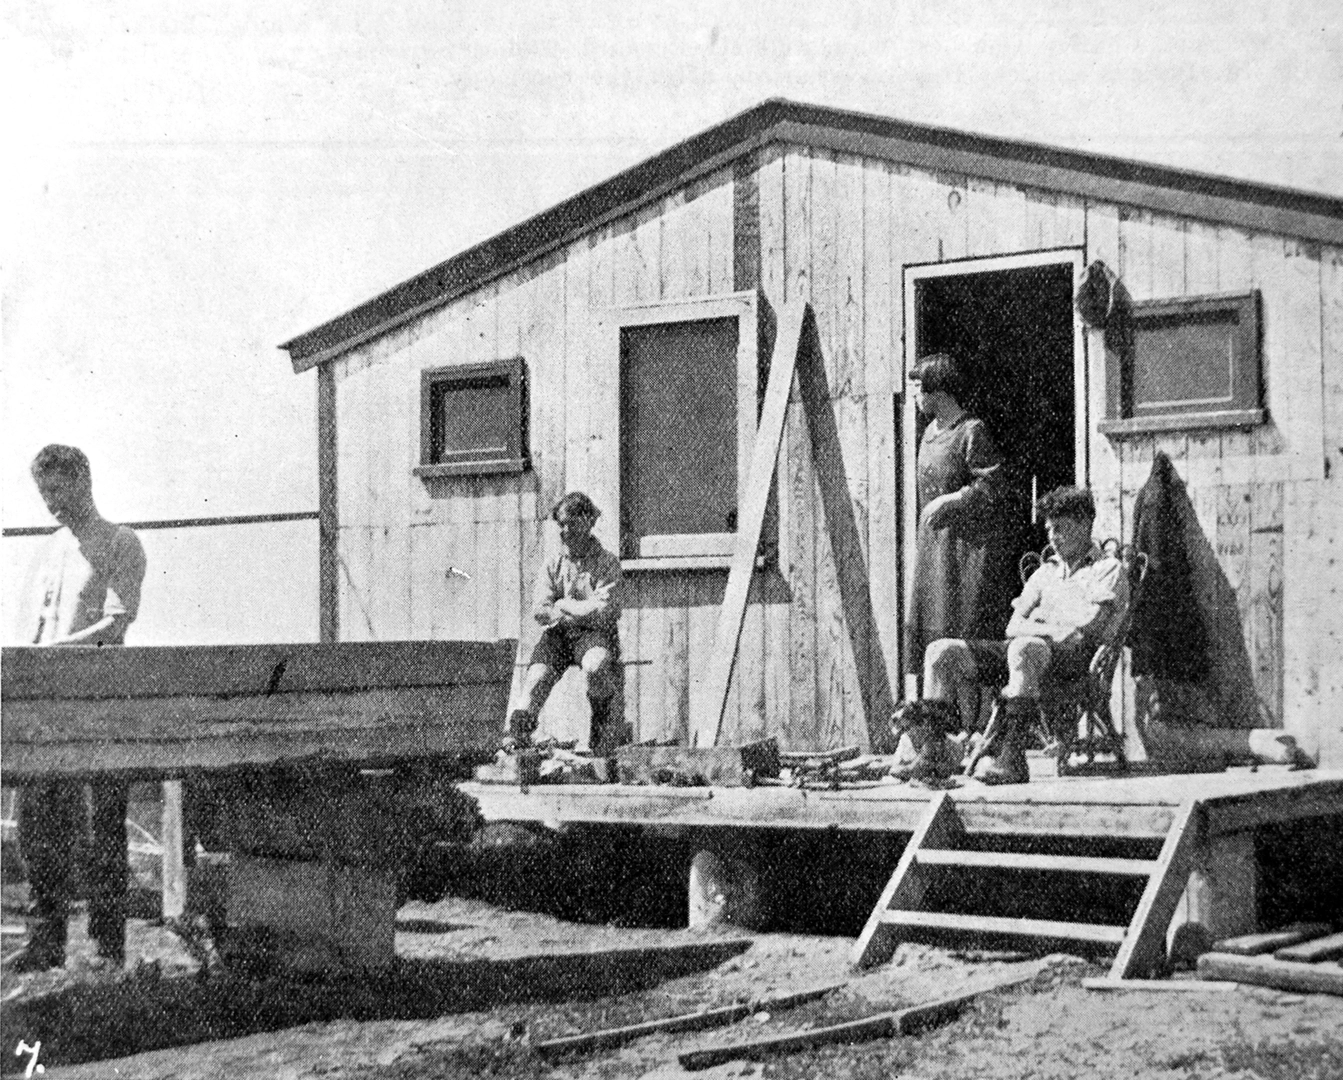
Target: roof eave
[{"x": 1307, "y": 215}]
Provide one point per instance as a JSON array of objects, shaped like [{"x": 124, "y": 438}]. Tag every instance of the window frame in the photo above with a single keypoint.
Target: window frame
[
  {"x": 701, "y": 550},
  {"x": 1245, "y": 406},
  {"x": 513, "y": 370}
]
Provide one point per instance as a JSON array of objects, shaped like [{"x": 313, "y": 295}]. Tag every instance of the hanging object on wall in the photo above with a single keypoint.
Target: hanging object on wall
[{"x": 1095, "y": 300}]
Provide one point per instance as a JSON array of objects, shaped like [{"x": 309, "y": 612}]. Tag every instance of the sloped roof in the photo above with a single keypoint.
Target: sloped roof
[{"x": 1310, "y": 216}]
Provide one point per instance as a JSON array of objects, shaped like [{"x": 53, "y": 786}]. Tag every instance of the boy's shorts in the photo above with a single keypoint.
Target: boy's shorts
[
  {"x": 1066, "y": 663},
  {"x": 561, "y": 647}
]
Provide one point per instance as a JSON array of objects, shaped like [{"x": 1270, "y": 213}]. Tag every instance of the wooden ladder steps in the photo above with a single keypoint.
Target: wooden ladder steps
[
  {"x": 1064, "y": 864},
  {"x": 939, "y": 845},
  {"x": 992, "y": 924}
]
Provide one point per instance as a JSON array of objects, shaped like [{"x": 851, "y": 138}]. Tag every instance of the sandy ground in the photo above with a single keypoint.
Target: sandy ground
[{"x": 486, "y": 983}]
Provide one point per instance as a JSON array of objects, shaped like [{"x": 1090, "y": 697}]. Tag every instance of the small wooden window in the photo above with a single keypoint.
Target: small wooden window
[
  {"x": 473, "y": 419},
  {"x": 1189, "y": 362}
]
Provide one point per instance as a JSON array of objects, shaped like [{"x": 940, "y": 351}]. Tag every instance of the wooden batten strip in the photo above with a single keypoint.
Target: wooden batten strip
[
  {"x": 328, "y": 528},
  {"x": 706, "y": 724}
]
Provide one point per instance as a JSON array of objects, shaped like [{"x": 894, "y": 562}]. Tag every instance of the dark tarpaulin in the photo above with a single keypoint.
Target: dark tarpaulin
[{"x": 1167, "y": 636}]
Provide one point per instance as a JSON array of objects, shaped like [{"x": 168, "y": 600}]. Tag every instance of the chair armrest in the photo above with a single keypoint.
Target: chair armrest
[{"x": 1103, "y": 662}]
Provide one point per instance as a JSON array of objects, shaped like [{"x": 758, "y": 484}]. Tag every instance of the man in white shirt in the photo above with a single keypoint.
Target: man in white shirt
[
  {"x": 577, "y": 600},
  {"x": 1057, "y": 623},
  {"x": 88, "y": 594}
]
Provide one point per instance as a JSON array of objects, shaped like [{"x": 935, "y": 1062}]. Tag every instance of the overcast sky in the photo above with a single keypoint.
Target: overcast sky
[{"x": 192, "y": 184}]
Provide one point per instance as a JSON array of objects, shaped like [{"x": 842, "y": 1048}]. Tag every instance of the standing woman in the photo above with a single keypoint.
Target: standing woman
[{"x": 963, "y": 587}]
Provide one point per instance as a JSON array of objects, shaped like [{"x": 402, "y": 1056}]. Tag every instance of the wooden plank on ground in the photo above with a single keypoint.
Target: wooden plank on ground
[
  {"x": 1145, "y": 946},
  {"x": 705, "y": 726},
  {"x": 1312, "y": 952},
  {"x": 1268, "y": 971},
  {"x": 697, "y": 1021},
  {"x": 1258, "y": 944},
  {"x": 881, "y": 1026},
  {"x": 940, "y": 828},
  {"x": 1158, "y": 985}
]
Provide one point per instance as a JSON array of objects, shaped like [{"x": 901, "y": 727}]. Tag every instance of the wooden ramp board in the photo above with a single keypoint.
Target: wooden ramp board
[
  {"x": 938, "y": 845},
  {"x": 165, "y": 712}
]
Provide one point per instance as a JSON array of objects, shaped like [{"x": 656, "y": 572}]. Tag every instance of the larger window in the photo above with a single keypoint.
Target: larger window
[
  {"x": 688, "y": 403},
  {"x": 1189, "y": 362}
]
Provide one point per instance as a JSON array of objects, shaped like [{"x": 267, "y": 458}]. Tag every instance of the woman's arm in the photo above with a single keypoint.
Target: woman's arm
[{"x": 983, "y": 462}]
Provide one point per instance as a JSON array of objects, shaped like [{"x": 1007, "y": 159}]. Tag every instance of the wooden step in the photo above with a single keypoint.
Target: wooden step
[
  {"x": 988, "y": 924},
  {"x": 1068, "y": 864}
]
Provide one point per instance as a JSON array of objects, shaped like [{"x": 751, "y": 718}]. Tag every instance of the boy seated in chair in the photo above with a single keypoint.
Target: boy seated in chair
[
  {"x": 1057, "y": 623},
  {"x": 577, "y": 601}
]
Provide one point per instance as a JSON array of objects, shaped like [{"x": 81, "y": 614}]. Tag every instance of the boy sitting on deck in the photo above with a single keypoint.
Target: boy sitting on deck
[
  {"x": 1058, "y": 622},
  {"x": 577, "y": 601}
]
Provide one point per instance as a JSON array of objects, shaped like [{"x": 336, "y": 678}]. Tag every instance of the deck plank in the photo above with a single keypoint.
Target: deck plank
[{"x": 1134, "y": 808}]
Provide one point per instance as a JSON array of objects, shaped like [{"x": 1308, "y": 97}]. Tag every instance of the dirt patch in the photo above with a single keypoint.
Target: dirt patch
[{"x": 478, "y": 984}]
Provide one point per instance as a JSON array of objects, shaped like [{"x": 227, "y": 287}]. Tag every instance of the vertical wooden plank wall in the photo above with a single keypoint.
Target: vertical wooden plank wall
[{"x": 1246, "y": 488}]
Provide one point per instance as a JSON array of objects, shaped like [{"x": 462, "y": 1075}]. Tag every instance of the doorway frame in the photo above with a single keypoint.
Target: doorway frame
[{"x": 911, "y": 273}]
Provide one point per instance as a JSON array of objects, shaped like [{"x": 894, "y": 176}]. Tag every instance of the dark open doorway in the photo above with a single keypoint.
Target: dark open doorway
[{"x": 1013, "y": 329}]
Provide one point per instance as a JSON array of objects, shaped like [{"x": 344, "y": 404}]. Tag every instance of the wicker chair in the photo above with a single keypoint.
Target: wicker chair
[{"x": 1076, "y": 714}]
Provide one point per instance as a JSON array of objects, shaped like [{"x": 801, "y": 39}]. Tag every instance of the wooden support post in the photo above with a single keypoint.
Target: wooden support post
[
  {"x": 764, "y": 454},
  {"x": 1220, "y": 896},
  {"x": 174, "y": 869},
  {"x": 312, "y": 918}
]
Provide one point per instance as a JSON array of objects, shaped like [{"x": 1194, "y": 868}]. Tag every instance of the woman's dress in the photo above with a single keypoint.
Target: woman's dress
[{"x": 964, "y": 578}]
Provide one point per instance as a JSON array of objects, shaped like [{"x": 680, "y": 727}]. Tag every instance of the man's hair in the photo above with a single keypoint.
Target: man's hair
[
  {"x": 58, "y": 458},
  {"x": 1067, "y": 502},
  {"x": 940, "y": 372},
  {"x": 576, "y": 504}
]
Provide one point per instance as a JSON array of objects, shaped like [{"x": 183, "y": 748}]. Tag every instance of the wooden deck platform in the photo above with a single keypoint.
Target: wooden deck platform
[{"x": 1137, "y": 807}]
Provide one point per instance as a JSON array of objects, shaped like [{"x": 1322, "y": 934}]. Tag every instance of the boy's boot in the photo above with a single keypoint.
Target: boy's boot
[{"x": 1003, "y": 759}]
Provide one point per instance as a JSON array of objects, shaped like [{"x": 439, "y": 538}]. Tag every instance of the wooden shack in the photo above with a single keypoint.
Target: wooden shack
[{"x": 619, "y": 342}]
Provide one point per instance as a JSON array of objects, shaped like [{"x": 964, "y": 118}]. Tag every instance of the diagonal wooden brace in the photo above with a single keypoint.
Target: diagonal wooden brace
[{"x": 764, "y": 456}]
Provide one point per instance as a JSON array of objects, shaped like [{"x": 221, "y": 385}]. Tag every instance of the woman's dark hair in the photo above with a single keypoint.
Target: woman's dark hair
[
  {"x": 576, "y": 504},
  {"x": 942, "y": 373},
  {"x": 58, "y": 458},
  {"x": 1069, "y": 502}
]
